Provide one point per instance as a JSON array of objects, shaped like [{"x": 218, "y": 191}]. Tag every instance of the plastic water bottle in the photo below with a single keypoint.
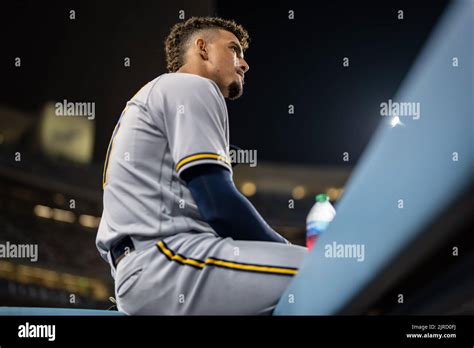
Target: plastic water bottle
[{"x": 319, "y": 217}]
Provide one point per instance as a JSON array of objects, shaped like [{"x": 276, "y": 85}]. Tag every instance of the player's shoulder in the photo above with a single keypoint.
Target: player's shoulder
[{"x": 184, "y": 82}]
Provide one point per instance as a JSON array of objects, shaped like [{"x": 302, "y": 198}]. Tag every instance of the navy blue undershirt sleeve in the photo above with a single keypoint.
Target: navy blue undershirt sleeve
[{"x": 223, "y": 207}]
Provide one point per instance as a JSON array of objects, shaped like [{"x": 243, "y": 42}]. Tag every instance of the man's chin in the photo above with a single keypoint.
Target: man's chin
[{"x": 235, "y": 90}]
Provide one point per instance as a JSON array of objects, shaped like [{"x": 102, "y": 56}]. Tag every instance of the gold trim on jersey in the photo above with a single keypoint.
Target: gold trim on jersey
[{"x": 200, "y": 156}]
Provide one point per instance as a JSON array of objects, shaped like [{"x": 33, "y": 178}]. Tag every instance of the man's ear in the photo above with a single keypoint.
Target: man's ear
[{"x": 201, "y": 46}]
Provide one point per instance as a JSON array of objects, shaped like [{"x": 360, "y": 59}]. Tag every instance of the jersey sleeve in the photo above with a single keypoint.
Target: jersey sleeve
[{"x": 195, "y": 122}]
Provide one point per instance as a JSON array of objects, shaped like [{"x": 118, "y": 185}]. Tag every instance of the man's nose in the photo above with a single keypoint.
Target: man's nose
[{"x": 243, "y": 65}]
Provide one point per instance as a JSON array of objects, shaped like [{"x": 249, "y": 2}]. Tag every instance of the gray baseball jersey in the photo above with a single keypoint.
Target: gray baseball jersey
[
  {"x": 174, "y": 122},
  {"x": 180, "y": 265}
]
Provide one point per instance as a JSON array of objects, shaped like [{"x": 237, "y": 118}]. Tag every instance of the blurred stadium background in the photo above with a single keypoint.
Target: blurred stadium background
[{"x": 51, "y": 167}]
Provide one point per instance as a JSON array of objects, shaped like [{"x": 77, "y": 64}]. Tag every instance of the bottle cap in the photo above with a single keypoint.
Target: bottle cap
[{"x": 322, "y": 197}]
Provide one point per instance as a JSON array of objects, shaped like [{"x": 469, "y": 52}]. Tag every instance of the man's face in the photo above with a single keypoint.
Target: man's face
[{"x": 226, "y": 64}]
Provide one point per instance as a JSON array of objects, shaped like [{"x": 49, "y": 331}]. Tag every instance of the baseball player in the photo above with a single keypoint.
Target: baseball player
[{"x": 180, "y": 238}]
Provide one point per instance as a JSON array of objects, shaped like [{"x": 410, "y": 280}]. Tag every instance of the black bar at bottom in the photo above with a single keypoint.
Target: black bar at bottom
[{"x": 413, "y": 330}]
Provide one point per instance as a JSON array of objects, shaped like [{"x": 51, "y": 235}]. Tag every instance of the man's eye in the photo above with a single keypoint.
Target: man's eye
[{"x": 236, "y": 50}]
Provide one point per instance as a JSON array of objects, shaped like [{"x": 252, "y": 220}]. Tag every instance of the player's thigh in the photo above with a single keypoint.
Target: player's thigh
[
  {"x": 204, "y": 274},
  {"x": 247, "y": 277}
]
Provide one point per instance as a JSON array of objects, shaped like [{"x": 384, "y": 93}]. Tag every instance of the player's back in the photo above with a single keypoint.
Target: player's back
[{"x": 143, "y": 194}]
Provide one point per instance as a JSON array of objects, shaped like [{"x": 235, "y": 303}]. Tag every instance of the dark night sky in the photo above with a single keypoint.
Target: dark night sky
[
  {"x": 300, "y": 62},
  {"x": 295, "y": 62}
]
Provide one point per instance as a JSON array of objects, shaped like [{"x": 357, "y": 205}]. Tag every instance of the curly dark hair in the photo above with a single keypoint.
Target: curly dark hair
[{"x": 176, "y": 42}]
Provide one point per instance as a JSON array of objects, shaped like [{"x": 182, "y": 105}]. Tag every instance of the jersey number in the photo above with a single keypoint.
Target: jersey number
[{"x": 109, "y": 150}]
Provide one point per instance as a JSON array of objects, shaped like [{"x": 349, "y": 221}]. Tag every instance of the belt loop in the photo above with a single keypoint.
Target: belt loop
[{"x": 109, "y": 258}]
